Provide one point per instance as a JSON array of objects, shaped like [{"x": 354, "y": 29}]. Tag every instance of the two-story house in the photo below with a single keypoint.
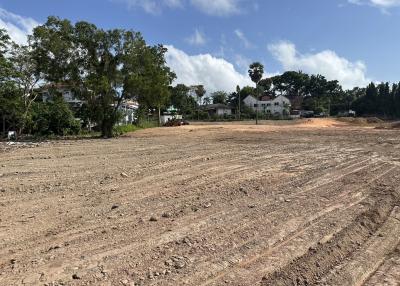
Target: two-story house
[{"x": 279, "y": 105}]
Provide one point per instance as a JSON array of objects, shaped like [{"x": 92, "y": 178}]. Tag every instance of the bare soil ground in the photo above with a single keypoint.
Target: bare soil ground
[{"x": 309, "y": 203}]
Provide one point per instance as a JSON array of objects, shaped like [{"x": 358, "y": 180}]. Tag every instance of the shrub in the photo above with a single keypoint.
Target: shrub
[
  {"x": 53, "y": 118},
  {"x": 122, "y": 129}
]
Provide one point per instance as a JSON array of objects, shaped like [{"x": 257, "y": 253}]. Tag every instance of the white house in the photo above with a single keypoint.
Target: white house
[
  {"x": 65, "y": 91},
  {"x": 279, "y": 105},
  {"x": 128, "y": 108},
  {"x": 218, "y": 110}
]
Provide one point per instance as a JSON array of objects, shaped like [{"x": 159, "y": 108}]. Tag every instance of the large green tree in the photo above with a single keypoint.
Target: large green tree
[
  {"x": 10, "y": 103},
  {"x": 105, "y": 67},
  {"x": 219, "y": 97}
]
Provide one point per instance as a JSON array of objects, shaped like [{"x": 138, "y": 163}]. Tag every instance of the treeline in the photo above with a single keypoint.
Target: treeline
[
  {"x": 103, "y": 68},
  {"x": 306, "y": 92}
]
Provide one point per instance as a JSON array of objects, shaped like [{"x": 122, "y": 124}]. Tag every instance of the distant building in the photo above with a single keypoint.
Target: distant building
[
  {"x": 128, "y": 108},
  {"x": 129, "y": 112},
  {"x": 279, "y": 105},
  {"x": 218, "y": 110},
  {"x": 64, "y": 90}
]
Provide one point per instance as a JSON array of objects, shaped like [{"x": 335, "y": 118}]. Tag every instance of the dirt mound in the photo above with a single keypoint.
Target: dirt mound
[
  {"x": 321, "y": 122},
  {"x": 392, "y": 125},
  {"x": 395, "y": 125},
  {"x": 360, "y": 120}
]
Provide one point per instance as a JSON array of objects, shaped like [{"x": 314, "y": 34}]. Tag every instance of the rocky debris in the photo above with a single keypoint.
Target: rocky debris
[
  {"x": 124, "y": 175},
  {"x": 76, "y": 276},
  {"x": 54, "y": 247},
  {"x": 167, "y": 215},
  {"x": 207, "y": 205},
  {"x": 243, "y": 190},
  {"x": 114, "y": 207},
  {"x": 177, "y": 262},
  {"x": 153, "y": 219}
]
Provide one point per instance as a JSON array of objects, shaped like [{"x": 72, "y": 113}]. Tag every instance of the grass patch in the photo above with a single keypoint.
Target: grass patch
[{"x": 122, "y": 129}]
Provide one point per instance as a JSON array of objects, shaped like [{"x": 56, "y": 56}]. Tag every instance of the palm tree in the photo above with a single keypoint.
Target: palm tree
[
  {"x": 200, "y": 92},
  {"x": 256, "y": 71}
]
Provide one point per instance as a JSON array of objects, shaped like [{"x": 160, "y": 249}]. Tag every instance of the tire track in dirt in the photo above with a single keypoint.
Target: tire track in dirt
[
  {"x": 302, "y": 168},
  {"x": 310, "y": 268},
  {"x": 300, "y": 228}
]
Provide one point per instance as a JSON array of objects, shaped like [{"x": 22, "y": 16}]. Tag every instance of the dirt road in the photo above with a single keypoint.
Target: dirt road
[{"x": 316, "y": 203}]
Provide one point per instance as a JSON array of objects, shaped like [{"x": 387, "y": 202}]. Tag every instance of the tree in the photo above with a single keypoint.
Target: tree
[
  {"x": 256, "y": 71},
  {"x": 182, "y": 100},
  {"x": 367, "y": 104},
  {"x": 239, "y": 101},
  {"x": 27, "y": 77},
  {"x": 200, "y": 92},
  {"x": 207, "y": 100},
  {"x": 53, "y": 118},
  {"x": 10, "y": 103},
  {"x": 265, "y": 85},
  {"x": 219, "y": 97},
  {"x": 105, "y": 67}
]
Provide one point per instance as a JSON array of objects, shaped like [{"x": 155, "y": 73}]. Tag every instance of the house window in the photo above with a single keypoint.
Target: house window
[
  {"x": 255, "y": 104},
  {"x": 263, "y": 105},
  {"x": 268, "y": 104},
  {"x": 276, "y": 103}
]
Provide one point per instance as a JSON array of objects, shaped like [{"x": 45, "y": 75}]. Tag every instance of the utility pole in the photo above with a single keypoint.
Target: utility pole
[
  {"x": 238, "y": 92},
  {"x": 257, "y": 95}
]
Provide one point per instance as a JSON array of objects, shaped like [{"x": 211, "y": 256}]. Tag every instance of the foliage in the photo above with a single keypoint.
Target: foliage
[
  {"x": 122, "y": 129},
  {"x": 219, "y": 97},
  {"x": 53, "y": 118},
  {"x": 105, "y": 66},
  {"x": 182, "y": 100},
  {"x": 256, "y": 71}
]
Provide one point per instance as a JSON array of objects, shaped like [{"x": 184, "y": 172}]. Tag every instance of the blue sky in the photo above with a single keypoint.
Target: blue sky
[{"x": 212, "y": 41}]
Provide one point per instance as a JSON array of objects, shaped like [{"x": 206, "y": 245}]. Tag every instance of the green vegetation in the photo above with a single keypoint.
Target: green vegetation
[
  {"x": 104, "y": 68},
  {"x": 122, "y": 129}
]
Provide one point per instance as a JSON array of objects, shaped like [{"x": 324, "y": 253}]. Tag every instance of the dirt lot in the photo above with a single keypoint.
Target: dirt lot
[{"x": 310, "y": 203}]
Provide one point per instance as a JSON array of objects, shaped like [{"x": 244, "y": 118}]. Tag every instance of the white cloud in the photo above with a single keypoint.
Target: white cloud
[
  {"x": 211, "y": 7},
  {"x": 17, "y": 27},
  {"x": 326, "y": 63},
  {"x": 383, "y": 4},
  {"x": 197, "y": 39},
  {"x": 214, "y": 73},
  {"x": 243, "y": 39},
  {"x": 152, "y": 6},
  {"x": 217, "y": 7}
]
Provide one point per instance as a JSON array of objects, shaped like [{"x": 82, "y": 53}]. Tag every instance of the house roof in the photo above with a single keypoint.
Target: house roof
[
  {"x": 266, "y": 98},
  {"x": 216, "y": 106}
]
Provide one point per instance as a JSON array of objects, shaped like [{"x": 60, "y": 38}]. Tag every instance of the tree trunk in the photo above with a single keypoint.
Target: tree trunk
[
  {"x": 159, "y": 116},
  {"x": 239, "y": 106},
  {"x": 106, "y": 128},
  {"x": 4, "y": 125}
]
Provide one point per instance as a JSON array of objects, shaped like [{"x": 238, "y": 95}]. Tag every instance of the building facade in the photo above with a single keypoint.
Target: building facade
[{"x": 278, "y": 106}]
